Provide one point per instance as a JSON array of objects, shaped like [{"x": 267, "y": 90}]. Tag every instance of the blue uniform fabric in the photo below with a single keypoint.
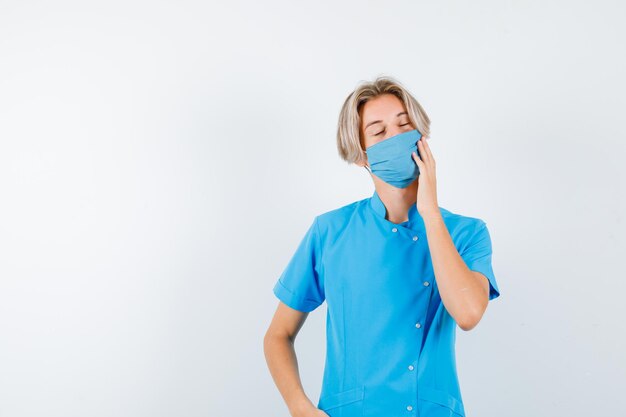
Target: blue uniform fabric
[{"x": 389, "y": 339}]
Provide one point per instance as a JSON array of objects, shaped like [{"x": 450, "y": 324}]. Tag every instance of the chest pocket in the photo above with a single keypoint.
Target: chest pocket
[
  {"x": 437, "y": 403},
  {"x": 347, "y": 403}
]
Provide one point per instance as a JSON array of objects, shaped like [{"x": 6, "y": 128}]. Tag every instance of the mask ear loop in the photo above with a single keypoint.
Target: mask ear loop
[{"x": 367, "y": 167}]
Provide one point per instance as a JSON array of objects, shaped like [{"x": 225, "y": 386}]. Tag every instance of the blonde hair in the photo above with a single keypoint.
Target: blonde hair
[{"x": 349, "y": 141}]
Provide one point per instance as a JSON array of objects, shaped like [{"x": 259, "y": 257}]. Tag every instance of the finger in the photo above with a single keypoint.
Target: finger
[
  {"x": 428, "y": 152},
  {"x": 417, "y": 160},
  {"x": 423, "y": 153}
]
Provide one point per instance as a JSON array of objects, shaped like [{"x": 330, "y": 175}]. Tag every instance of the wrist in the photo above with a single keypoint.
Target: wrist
[
  {"x": 301, "y": 407},
  {"x": 433, "y": 218}
]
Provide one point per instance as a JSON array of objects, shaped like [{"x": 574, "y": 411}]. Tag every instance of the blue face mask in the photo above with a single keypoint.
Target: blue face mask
[{"x": 391, "y": 159}]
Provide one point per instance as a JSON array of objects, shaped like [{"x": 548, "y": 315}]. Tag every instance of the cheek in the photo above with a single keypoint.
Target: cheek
[{"x": 374, "y": 141}]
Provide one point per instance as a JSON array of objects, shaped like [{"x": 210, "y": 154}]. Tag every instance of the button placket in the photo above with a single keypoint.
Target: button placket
[
  {"x": 411, "y": 369},
  {"x": 408, "y": 233},
  {"x": 411, "y": 374},
  {"x": 405, "y": 231}
]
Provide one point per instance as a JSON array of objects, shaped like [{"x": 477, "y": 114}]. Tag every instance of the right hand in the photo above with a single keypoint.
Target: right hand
[{"x": 311, "y": 412}]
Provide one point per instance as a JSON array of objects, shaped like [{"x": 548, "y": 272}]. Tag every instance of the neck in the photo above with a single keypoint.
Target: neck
[{"x": 397, "y": 201}]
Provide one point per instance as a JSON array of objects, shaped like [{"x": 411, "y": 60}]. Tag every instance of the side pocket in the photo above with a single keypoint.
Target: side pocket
[
  {"x": 438, "y": 403},
  {"x": 339, "y": 399}
]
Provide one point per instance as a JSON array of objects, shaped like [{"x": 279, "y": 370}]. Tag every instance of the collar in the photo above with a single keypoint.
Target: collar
[{"x": 379, "y": 208}]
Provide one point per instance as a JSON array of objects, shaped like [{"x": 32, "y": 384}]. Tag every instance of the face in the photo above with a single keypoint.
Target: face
[{"x": 382, "y": 118}]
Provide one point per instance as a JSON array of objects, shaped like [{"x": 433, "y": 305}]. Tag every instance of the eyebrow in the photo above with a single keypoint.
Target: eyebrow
[{"x": 378, "y": 121}]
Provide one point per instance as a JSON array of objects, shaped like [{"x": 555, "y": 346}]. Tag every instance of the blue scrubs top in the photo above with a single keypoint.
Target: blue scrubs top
[{"x": 389, "y": 339}]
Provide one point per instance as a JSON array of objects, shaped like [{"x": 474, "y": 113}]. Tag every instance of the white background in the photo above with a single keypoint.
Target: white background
[{"x": 160, "y": 161}]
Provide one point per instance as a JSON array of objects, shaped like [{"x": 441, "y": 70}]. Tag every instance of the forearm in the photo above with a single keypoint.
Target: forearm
[
  {"x": 461, "y": 292},
  {"x": 283, "y": 365}
]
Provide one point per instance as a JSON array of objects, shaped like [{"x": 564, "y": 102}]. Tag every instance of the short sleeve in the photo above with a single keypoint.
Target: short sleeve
[
  {"x": 477, "y": 257},
  {"x": 299, "y": 286}
]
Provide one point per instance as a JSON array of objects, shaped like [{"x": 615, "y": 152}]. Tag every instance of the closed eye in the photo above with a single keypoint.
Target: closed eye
[{"x": 382, "y": 131}]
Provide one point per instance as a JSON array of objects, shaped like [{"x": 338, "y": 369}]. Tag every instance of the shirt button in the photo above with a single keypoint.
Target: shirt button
[
  {"x": 414, "y": 238},
  {"x": 418, "y": 325},
  {"x": 394, "y": 230},
  {"x": 409, "y": 407},
  {"x": 426, "y": 283},
  {"x": 411, "y": 367}
]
